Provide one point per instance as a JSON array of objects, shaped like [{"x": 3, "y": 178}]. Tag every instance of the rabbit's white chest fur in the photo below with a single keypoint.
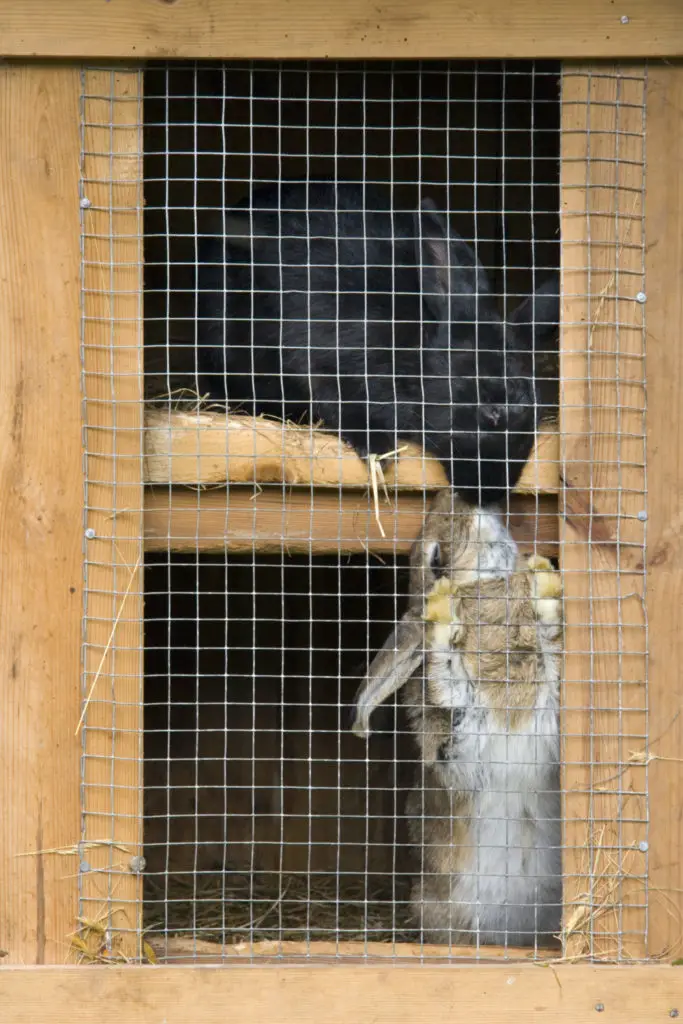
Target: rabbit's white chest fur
[{"x": 511, "y": 862}]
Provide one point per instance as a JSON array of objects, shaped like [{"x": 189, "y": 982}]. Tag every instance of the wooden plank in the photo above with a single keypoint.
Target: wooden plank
[
  {"x": 261, "y": 28},
  {"x": 212, "y": 448},
  {"x": 41, "y": 510},
  {"x": 664, "y": 312},
  {"x": 112, "y": 176},
  {"x": 275, "y": 519},
  {"x": 565, "y": 994},
  {"x": 178, "y": 950},
  {"x": 602, "y": 537}
]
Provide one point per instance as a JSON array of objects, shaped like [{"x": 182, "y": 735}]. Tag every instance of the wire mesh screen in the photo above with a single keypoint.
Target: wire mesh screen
[
  {"x": 370, "y": 554},
  {"x": 112, "y": 320},
  {"x": 604, "y": 513}
]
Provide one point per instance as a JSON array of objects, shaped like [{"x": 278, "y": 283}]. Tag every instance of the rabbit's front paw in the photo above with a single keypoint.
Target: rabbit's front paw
[
  {"x": 546, "y": 586},
  {"x": 441, "y": 610},
  {"x": 440, "y": 606}
]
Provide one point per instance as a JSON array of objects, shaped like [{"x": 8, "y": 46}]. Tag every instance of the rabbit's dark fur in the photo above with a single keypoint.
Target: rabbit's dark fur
[{"x": 346, "y": 332}]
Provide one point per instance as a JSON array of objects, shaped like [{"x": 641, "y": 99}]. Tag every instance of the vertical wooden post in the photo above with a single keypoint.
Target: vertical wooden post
[
  {"x": 41, "y": 512},
  {"x": 603, "y": 508},
  {"x": 664, "y": 317},
  {"x": 112, "y": 790}
]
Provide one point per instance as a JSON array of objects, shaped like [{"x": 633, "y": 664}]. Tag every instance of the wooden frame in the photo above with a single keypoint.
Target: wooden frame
[
  {"x": 664, "y": 236},
  {"x": 239, "y": 520},
  {"x": 42, "y": 526},
  {"x": 41, "y": 510},
  {"x": 212, "y": 29},
  {"x": 603, "y": 501},
  {"x": 569, "y": 994},
  {"x": 114, "y": 642}
]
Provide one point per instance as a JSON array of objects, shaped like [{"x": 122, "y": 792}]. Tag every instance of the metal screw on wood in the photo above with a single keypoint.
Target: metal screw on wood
[
  {"x": 137, "y": 865},
  {"x": 599, "y": 1007}
]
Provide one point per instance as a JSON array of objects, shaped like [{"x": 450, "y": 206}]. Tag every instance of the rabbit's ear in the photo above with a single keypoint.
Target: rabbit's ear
[
  {"x": 392, "y": 666},
  {"x": 538, "y": 316},
  {"x": 449, "y": 267}
]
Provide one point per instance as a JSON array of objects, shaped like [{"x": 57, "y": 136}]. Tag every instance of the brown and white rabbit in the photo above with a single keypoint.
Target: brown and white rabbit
[{"x": 477, "y": 654}]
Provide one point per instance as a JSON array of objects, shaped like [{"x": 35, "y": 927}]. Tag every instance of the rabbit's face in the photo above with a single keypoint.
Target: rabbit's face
[
  {"x": 493, "y": 423},
  {"x": 461, "y": 543}
]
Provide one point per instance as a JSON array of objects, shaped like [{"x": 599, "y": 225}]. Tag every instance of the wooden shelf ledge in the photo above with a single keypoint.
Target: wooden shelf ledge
[
  {"x": 302, "y": 521},
  {"x": 246, "y": 484},
  {"x": 202, "y": 448},
  {"x": 181, "y": 950}
]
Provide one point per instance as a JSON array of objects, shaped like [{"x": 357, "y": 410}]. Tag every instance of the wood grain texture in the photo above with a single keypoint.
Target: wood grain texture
[
  {"x": 41, "y": 511},
  {"x": 212, "y": 448},
  {"x": 357, "y": 28},
  {"x": 602, "y": 538},
  {"x": 241, "y": 519},
  {"x": 565, "y": 994},
  {"x": 179, "y": 950},
  {"x": 664, "y": 314},
  {"x": 112, "y": 792}
]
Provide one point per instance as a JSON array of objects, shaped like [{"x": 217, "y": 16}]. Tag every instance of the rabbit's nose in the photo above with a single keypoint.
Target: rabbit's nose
[{"x": 490, "y": 416}]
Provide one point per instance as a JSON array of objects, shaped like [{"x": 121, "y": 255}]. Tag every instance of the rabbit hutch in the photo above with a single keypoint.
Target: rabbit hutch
[{"x": 234, "y": 555}]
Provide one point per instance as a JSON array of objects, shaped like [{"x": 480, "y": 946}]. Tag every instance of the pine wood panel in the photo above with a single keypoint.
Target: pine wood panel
[
  {"x": 112, "y": 793},
  {"x": 41, "y": 511},
  {"x": 664, "y": 311},
  {"x": 564, "y": 994},
  {"x": 603, "y": 492},
  {"x": 142, "y": 29},
  {"x": 178, "y": 950},
  {"x": 304, "y": 522}
]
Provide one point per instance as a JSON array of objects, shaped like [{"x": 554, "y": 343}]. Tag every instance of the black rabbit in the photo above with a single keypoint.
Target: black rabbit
[{"x": 322, "y": 304}]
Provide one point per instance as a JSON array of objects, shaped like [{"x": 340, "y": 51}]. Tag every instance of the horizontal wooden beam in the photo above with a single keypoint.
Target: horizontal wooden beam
[
  {"x": 295, "y": 521},
  {"x": 168, "y": 29},
  {"x": 199, "y": 448},
  {"x": 563, "y": 994},
  {"x": 179, "y": 950}
]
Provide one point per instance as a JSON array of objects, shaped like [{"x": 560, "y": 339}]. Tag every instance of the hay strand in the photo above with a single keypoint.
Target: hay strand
[{"x": 108, "y": 646}]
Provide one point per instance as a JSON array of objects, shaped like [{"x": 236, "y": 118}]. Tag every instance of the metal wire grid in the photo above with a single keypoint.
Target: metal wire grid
[
  {"x": 604, "y": 464},
  {"x": 268, "y": 827},
  {"x": 112, "y": 317}
]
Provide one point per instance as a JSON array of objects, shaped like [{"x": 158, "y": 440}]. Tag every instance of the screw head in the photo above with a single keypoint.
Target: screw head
[
  {"x": 137, "y": 865},
  {"x": 643, "y": 846},
  {"x": 641, "y": 297},
  {"x": 90, "y": 533},
  {"x": 599, "y": 1007},
  {"x": 673, "y": 1013},
  {"x": 624, "y": 19},
  {"x": 85, "y": 203},
  {"x": 642, "y": 515},
  {"x": 84, "y": 867}
]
